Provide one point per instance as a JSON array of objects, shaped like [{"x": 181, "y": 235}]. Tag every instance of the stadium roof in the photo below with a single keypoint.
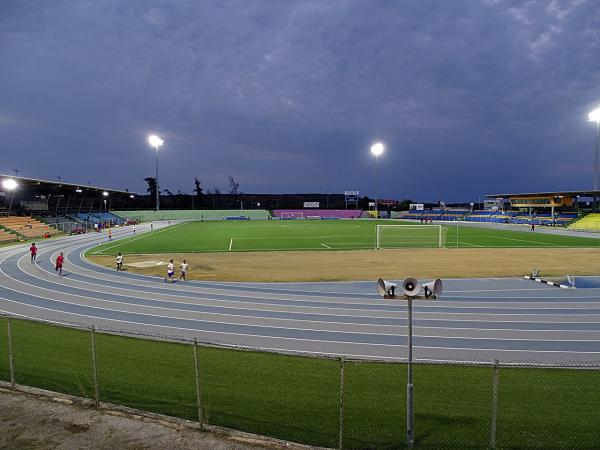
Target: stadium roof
[
  {"x": 589, "y": 193},
  {"x": 61, "y": 187}
]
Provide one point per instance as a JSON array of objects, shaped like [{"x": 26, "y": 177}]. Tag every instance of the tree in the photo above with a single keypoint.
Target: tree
[
  {"x": 198, "y": 187},
  {"x": 168, "y": 192},
  {"x": 234, "y": 187},
  {"x": 151, "y": 181}
]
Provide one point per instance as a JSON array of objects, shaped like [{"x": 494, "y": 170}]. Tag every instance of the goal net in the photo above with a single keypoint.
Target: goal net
[
  {"x": 286, "y": 215},
  {"x": 404, "y": 236}
]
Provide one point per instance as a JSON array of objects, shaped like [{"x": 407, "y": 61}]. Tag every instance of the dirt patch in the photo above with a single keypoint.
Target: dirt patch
[
  {"x": 371, "y": 264},
  {"x": 28, "y": 421}
]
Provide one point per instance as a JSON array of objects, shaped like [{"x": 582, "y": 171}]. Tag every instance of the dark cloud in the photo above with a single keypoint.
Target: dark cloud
[{"x": 470, "y": 97}]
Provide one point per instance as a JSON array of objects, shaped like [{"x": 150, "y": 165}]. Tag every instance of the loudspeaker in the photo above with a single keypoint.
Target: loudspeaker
[
  {"x": 411, "y": 287},
  {"x": 433, "y": 288},
  {"x": 386, "y": 288}
]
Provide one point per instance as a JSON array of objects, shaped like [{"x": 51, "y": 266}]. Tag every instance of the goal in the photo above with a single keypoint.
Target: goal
[
  {"x": 403, "y": 236},
  {"x": 288, "y": 215}
]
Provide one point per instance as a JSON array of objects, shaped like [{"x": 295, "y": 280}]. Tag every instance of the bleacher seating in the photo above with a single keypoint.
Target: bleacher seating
[
  {"x": 7, "y": 236},
  {"x": 513, "y": 217},
  {"x": 27, "y": 227},
  {"x": 106, "y": 218},
  {"x": 591, "y": 222},
  {"x": 318, "y": 213}
]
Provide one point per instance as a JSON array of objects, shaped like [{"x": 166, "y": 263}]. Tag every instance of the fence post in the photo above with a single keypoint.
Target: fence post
[
  {"x": 494, "y": 404},
  {"x": 11, "y": 366},
  {"x": 198, "y": 392},
  {"x": 341, "y": 412},
  {"x": 94, "y": 366}
]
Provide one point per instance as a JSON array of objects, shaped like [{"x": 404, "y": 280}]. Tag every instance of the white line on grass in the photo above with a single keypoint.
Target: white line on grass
[
  {"x": 145, "y": 235},
  {"x": 230, "y": 244},
  {"x": 326, "y": 246}
]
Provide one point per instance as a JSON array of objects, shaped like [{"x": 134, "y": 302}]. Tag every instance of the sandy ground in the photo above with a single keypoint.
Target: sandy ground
[
  {"x": 371, "y": 264},
  {"x": 28, "y": 422}
]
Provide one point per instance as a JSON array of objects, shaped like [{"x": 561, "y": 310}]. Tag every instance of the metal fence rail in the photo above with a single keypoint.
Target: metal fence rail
[{"x": 323, "y": 401}]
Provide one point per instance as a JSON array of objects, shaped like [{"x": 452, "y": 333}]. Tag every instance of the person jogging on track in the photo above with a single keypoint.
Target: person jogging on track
[
  {"x": 183, "y": 267},
  {"x": 109, "y": 235},
  {"x": 59, "y": 264},
  {"x": 170, "y": 271},
  {"x": 134, "y": 228},
  {"x": 119, "y": 262},
  {"x": 33, "y": 251}
]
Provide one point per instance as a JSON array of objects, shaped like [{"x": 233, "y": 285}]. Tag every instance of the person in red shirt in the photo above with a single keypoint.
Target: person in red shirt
[
  {"x": 33, "y": 251},
  {"x": 59, "y": 264}
]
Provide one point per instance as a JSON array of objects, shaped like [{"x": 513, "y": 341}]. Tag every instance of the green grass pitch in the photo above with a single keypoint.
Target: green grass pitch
[
  {"x": 222, "y": 236},
  {"x": 297, "y": 398}
]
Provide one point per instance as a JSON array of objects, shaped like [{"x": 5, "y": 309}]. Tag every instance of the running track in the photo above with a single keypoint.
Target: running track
[{"x": 476, "y": 319}]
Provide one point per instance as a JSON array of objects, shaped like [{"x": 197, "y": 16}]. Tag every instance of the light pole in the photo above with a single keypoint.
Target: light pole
[
  {"x": 594, "y": 116},
  {"x": 156, "y": 142},
  {"x": 377, "y": 150},
  {"x": 10, "y": 185}
]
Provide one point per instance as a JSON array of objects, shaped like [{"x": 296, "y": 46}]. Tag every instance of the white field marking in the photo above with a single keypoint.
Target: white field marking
[
  {"x": 245, "y": 294},
  {"x": 291, "y": 313},
  {"x": 525, "y": 240},
  {"x": 233, "y": 286},
  {"x": 252, "y": 317},
  {"x": 467, "y": 243},
  {"x": 317, "y": 340},
  {"x": 326, "y": 246},
  {"x": 144, "y": 235},
  {"x": 216, "y": 300},
  {"x": 230, "y": 244}
]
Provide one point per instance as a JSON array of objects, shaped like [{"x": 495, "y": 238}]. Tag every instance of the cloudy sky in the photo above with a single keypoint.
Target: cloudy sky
[{"x": 469, "y": 96}]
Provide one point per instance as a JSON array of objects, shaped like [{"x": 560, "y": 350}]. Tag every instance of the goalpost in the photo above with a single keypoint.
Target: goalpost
[
  {"x": 404, "y": 236},
  {"x": 286, "y": 215}
]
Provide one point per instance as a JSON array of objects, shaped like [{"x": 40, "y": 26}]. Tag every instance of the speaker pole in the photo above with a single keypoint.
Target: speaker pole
[{"x": 410, "y": 435}]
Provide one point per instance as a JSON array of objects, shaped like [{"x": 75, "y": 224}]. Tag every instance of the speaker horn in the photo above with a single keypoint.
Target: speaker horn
[
  {"x": 411, "y": 287},
  {"x": 386, "y": 288},
  {"x": 433, "y": 288}
]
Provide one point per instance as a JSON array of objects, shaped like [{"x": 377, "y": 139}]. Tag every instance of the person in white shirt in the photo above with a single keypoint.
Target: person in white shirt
[
  {"x": 170, "y": 271},
  {"x": 134, "y": 228},
  {"x": 119, "y": 262},
  {"x": 183, "y": 267}
]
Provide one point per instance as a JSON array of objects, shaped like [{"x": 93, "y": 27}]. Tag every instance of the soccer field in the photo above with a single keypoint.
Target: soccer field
[{"x": 243, "y": 236}]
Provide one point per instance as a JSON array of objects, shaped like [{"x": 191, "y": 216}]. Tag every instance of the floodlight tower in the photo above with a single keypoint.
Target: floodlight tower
[
  {"x": 156, "y": 142},
  {"x": 10, "y": 185},
  {"x": 377, "y": 149},
  {"x": 594, "y": 116}
]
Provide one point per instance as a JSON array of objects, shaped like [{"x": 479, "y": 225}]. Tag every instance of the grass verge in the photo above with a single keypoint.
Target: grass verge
[{"x": 297, "y": 398}]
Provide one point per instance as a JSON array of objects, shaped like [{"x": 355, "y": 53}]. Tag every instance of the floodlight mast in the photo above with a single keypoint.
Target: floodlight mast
[
  {"x": 377, "y": 149},
  {"x": 594, "y": 116},
  {"x": 10, "y": 185},
  {"x": 156, "y": 142}
]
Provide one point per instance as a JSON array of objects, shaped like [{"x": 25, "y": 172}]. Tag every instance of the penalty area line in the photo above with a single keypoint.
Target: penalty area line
[
  {"x": 326, "y": 246},
  {"x": 230, "y": 244}
]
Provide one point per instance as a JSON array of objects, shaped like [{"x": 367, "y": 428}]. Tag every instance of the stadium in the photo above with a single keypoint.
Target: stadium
[
  {"x": 285, "y": 303},
  {"x": 300, "y": 225}
]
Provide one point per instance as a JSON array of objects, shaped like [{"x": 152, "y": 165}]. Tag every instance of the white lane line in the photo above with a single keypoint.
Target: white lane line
[
  {"x": 145, "y": 235},
  {"x": 326, "y": 246}
]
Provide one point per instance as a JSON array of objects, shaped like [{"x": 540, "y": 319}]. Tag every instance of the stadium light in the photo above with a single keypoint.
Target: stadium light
[
  {"x": 10, "y": 185},
  {"x": 594, "y": 116},
  {"x": 156, "y": 142},
  {"x": 78, "y": 190},
  {"x": 377, "y": 150},
  {"x": 105, "y": 194}
]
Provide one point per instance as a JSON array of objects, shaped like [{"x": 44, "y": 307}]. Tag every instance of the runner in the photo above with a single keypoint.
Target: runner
[
  {"x": 134, "y": 228},
  {"x": 109, "y": 235},
  {"x": 119, "y": 262},
  {"x": 169, "y": 271},
  {"x": 33, "y": 251},
  {"x": 59, "y": 264},
  {"x": 151, "y": 226},
  {"x": 183, "y": 267}
]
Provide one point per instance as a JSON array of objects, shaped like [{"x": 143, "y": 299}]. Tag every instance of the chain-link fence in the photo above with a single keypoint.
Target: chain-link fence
[{"x": 316, "y": 400}]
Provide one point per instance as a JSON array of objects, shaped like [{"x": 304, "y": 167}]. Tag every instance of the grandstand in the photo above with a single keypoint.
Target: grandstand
[
  {"x": 317, "y": 213},
  {"x": 591, "y": 222},
  {"x": 26, "y": 227}
]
